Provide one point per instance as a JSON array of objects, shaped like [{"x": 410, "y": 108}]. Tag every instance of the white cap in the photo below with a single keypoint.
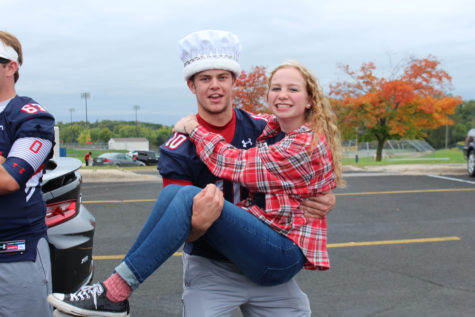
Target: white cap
[
  {"x": 210, "y": 49},
  {"x": 8, "y": 52}
]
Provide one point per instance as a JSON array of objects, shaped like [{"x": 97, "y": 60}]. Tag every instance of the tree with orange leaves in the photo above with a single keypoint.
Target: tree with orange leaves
[
  {"x": 393, "y": 108},
  {"x": 250, "y": 90}
]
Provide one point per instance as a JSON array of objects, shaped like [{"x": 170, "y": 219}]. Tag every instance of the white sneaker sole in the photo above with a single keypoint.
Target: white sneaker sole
[{"x": 63, "y": 310}]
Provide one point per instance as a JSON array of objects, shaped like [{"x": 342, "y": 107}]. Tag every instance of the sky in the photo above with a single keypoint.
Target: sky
[{"x": 124, "y": 53}]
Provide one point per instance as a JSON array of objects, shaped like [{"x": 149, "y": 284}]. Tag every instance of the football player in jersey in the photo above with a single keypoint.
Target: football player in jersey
[
  {"x": 26, "y": 142},
  {"x": 213, "y": 286}
]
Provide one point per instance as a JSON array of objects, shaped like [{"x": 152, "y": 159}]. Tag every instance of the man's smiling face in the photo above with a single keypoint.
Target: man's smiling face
[{"x": 213, "y": 90}]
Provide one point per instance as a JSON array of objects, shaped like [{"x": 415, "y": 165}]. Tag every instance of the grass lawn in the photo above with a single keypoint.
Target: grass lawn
[
  {"x": 454, "y": 155},
  {"x": 438, "y": 157}
]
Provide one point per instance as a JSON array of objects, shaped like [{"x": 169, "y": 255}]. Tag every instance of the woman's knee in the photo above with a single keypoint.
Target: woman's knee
[
  {"x": 188, "y": 192},
  {"x": 171, "y": 189}
]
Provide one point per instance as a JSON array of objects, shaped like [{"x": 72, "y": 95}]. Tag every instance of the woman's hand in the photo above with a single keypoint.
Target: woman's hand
[
  {"x": 186, "y": 125},
  {"x": 319, "y": 206}
]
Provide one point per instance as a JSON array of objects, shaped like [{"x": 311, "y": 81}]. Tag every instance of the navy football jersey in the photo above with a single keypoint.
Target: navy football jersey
[
  {"x": 22, "y": 213},
  {"x": 179, "y": 161}
]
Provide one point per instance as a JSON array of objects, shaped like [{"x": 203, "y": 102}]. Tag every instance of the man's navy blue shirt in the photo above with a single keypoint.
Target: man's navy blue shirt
[
  {"x": 179, "y": 161},
  {"x": 22, "y": 213}
]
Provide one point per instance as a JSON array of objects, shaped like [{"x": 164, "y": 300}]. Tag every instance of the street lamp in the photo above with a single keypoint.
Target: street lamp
[
  {"x": 136, "y": 108},
  {"x": 85, "y": 95},
  {"x": 71, "y": 110}
]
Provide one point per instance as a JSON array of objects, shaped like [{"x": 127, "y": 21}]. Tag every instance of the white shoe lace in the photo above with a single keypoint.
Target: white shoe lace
[{"x": 87, "y": 292}]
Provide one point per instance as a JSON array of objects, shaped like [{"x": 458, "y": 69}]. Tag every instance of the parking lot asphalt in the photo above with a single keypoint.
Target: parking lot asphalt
[{"x": 400, "y": 245}]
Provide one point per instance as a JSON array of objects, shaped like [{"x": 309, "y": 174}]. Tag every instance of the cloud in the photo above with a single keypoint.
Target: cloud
[{"x": 125, "y": 53}]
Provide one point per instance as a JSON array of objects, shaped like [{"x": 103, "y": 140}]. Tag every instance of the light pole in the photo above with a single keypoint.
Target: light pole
[
  {"x": 71, "y": 110},
  {"x": 136, "y": 108},
  {"x": 446, "y": 135},
  {"x": 85, "y": 95}
]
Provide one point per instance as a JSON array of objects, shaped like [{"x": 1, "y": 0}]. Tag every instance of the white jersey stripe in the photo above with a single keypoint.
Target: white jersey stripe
[{"x": 33, "y": 150}]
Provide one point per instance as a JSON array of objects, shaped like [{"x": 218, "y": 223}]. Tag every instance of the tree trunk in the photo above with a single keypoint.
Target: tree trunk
[{"x": 379, "y": 150}]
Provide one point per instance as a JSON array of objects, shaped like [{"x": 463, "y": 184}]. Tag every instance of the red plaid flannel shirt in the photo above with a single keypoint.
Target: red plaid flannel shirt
[{"x": 287, "y": 172}]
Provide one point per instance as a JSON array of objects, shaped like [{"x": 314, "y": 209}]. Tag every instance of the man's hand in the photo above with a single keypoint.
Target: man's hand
[
  {"x": 2, "y": 159},
  {"x": 319, "y": 206},
  {"x": 207, "y": 207}
]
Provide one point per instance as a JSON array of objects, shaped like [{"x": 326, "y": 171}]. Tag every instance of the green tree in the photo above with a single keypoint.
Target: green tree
[
  {"x": 464, "y": 120},
  {"x": 69, "y": 133},
  {"x": 95, "y": 134},
  {"x": 163, "y": 134},
  {"x": 105, "y": 135},
  {"x": 85, "y": 137}
]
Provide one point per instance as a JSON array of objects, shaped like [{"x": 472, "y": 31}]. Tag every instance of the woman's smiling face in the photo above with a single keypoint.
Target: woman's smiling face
[{"x": 288, "y": 98}]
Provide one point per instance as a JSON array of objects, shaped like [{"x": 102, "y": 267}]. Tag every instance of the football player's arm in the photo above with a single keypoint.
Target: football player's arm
[
  {"x": 7, "y": 183},
  {"x": 207, "y": 207},
  {"x": 25, "y": 158}
]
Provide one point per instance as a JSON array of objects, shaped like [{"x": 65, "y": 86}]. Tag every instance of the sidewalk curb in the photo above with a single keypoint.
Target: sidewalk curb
[
  {"x": 116, "y": 175},
  {"x": 412, "y": 169}
]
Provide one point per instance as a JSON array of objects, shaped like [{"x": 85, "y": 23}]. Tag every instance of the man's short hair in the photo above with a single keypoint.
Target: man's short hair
[{"x": 10, "y": 40}]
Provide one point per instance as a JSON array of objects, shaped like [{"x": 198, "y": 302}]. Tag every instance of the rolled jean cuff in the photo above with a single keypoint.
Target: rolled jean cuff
[{"x": 127, "y": 275}]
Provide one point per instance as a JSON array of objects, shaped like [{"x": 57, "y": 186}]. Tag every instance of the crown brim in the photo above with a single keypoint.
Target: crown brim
[{"x": 211, "y": 63}]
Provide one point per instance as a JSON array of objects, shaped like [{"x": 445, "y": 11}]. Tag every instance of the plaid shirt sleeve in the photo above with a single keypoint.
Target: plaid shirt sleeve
[{"x": 288, "y": 166}]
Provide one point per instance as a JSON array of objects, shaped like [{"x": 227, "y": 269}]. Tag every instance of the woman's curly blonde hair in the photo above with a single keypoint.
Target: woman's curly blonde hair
[{"x": 320, "y": 115}]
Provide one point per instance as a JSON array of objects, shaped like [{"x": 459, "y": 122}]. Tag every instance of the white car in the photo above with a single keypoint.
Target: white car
[{"x": 469, "y": 152}]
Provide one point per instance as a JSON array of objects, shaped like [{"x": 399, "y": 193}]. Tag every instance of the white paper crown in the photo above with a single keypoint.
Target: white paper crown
[{"x": 210, "y": 49}]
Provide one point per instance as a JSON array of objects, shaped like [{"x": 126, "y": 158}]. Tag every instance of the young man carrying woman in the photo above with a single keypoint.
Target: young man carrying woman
[{"x": 261, "y": 240}]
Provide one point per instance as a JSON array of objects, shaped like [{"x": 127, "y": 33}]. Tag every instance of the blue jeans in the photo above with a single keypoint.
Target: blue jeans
[{"x": 263, "y": 255}]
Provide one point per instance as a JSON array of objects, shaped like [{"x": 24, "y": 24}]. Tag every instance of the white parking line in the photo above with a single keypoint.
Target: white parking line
[
  {"x": 451, "y": 179},
  {"x": 369, "y": 174}
]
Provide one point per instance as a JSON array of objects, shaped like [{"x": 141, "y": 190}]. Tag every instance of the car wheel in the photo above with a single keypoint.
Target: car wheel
[{"x": 471, "y": 163}]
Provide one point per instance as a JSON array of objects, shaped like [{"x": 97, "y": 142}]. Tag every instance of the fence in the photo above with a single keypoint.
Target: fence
[{"x": 390, "y": 148}]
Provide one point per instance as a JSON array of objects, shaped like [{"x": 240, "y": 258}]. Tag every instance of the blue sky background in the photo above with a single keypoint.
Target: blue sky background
[{"x": 125, "y": 52}]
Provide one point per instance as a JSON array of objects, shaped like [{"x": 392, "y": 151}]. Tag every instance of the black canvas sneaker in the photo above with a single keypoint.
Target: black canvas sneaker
[{"x": 89, "y": 301}]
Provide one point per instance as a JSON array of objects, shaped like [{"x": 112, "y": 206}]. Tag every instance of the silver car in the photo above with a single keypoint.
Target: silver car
[
  {"x": 117, "y": 159},
  {"x": 70, "y": 225}
]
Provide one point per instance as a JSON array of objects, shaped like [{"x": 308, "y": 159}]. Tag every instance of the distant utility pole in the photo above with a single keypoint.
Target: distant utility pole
[
  {"x": 85, "y": 95},
  {"x": 136, "y": 108},
  {"x": 71, "y": 110}
]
